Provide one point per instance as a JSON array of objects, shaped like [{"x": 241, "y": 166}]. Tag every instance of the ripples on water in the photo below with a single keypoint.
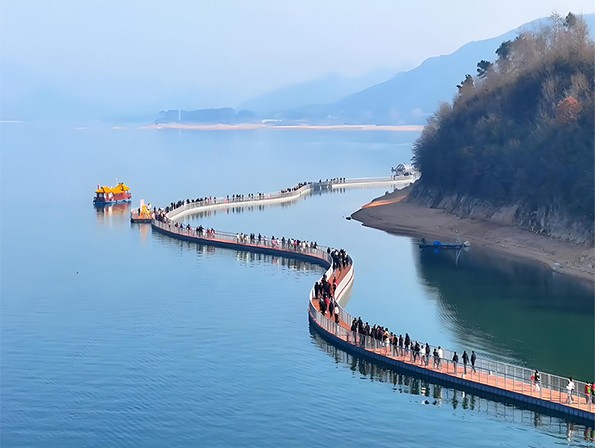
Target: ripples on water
[
  {"x": 428, "y": 394},
  {"x": 510, "y": 308},
  {"x": 112, "y": 335}
]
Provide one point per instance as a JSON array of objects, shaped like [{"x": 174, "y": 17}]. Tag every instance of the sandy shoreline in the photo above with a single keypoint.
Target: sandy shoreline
[
  {"x": 253, "y": 126},
  {"x": 393, "y": 214}
]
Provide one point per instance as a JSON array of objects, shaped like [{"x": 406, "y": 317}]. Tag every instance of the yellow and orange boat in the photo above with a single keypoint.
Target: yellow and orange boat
[{"x": 112, "y": 195}]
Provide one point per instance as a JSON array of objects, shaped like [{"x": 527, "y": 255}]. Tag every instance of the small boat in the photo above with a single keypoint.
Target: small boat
[
  {"x": 143, "y": 214},
  {"x": 440, "y": 245},
  {"x": 112, "y": 195}
]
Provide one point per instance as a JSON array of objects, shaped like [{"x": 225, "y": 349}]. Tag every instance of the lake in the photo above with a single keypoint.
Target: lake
[{"x": 112, "y": 335}]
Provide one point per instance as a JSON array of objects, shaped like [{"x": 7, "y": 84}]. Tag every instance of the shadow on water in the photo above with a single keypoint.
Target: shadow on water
[
  {"x": 432, "y": 394},
  {"x": 514, "y": 310},
  {"x": 240, "y": 255}
]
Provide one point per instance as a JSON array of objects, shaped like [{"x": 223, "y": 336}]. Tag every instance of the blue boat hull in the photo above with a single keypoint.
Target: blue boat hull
[{"x": 442, "y": 246}]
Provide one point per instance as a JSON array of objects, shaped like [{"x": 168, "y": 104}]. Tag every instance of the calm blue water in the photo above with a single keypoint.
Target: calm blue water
[{"x": 114, "y": 336}]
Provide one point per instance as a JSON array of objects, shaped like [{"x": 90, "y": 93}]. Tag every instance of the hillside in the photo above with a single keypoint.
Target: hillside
[
  {"x": 411, "y": 97},
  {"x": 407, "y": 98},
  {"x": 326, "y": 89},
  {"x": 516, "y": 145}
]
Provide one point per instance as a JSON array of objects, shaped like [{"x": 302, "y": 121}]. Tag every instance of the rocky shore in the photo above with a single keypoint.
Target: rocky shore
[{"x": 394, "y": 214}]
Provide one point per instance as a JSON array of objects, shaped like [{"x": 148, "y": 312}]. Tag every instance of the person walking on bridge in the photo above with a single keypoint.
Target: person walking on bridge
[
  {"x": 455, "y": 360},
  {"x": 536, "y": 378},
  {"x": 473, "y": 358},
  {"x": 569, "y": 390},
  {"x": 354, "y": 330},
  {"x": 401, "y": 352},
  {"x": 465, "y": 361}
]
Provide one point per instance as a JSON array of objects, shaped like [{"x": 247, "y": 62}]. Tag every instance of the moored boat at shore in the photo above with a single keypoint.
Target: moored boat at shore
[
  {"x": 440, "y": 245},
  {"x": 112, "y": 195}
]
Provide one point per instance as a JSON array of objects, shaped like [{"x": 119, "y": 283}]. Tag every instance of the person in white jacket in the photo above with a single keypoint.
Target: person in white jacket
[{"x": 569, "y": 390}]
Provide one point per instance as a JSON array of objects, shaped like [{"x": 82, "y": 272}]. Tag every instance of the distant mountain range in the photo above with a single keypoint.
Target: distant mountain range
[
  {"x": 327, "y": 89},
  {"x": 409, "y": 97},
  {"x": 378, "y": 97}
]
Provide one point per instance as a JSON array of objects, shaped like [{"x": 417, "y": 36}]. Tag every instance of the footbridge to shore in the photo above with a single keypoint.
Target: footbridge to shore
[
  {"x": 490, "y": 379},
  {"x": 289, "y": 195}
]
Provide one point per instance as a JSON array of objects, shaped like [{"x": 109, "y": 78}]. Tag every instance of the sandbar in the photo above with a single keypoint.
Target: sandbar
[
  {"x": 394, "y": 214},
  {"x": 253, "y": 126}
]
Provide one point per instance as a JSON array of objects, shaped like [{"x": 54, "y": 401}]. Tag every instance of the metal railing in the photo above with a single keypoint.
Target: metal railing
[
  {"x": 440, "y": 395},
  {"x": 501, "y": 375},
  {"x": 261, "y": 198},
  {"x": 238, "y": 200},
  {"x": 371, "y": 180},
  {"x": 304, "y": 248},
  {"x": 485, "y": 371}
]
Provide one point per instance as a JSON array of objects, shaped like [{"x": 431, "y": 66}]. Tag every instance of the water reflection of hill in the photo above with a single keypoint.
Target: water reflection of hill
[
  {"x": 437, "y": 395},
  {"x": 514, "y": 310}
]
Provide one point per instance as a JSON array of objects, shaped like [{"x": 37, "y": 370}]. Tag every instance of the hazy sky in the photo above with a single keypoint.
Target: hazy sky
[{"x": 236, "y": 49}]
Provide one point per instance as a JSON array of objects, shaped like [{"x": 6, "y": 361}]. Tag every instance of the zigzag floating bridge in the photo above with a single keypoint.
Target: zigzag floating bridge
[{"x": 495, "y": 380}]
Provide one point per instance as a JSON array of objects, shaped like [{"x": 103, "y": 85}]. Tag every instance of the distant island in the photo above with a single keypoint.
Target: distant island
[
  {"x": 230, "y": 119},
  {"x": 281, "y": 126},
  {"x": 223, "y": 115}
]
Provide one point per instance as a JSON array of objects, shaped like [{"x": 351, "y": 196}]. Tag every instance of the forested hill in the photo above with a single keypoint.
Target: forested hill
[{"x": 517, "y": 143}]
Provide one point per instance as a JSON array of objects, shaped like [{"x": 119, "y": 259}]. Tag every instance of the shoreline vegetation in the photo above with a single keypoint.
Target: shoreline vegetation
[
  {"x": 516, "y": 142},
  {"x": 392, "y": 213},
  {"x": 253, "y": 126}
]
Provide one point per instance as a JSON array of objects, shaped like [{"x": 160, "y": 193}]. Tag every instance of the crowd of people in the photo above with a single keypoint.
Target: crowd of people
[
  {"x": 324, "y": 290},
  {"x": 208, "y": 200},
  {"x": 200, "y": 201},
  {"x": 294, "y": 188},
  {"x": 334, "y": 180},
  {"x": 277, "y": 243},
  {"x": 293, "y": 244},
  {"x": 588, "y": 392},
  {"x": 362, "y": 333},
  {"x": 416, "y": 352},
  {"x": 339, "y": 258},
  {"x": 235, "y": 198},
  {"x": 406, "y": 347},
  {"x": 377, "y": 335}
]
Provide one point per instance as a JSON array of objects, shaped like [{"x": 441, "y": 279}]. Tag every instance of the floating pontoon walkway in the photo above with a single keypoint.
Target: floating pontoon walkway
[{"x": 492, "y": 379}]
